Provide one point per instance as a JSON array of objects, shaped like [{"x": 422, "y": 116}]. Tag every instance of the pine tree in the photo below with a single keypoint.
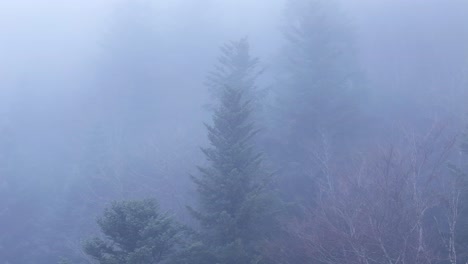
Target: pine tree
[
  {"x": 317, "y": 96},
  {"x": 236, "y": 68},
  {"x": 136, "y": 233},
  {"x": 235, "y": 205}
]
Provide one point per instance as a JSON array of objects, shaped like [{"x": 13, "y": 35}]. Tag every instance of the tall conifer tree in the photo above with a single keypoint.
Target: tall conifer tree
[
  {"x": 318, "y": 94},
  {"x": 234, "y": 197}
]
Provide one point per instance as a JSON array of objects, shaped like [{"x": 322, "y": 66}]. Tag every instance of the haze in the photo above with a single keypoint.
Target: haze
[{"x": 111, "y": 100}]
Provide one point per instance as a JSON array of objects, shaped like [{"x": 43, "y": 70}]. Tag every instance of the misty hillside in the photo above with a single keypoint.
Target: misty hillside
[{"x": 234, "y": 132}]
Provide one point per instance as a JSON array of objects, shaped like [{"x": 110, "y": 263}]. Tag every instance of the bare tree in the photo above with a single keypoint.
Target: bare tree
[{"x": 386, "y": 210}]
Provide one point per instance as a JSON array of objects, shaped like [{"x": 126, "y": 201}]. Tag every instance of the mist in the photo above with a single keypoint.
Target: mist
[{"x": 289, "y": 131}]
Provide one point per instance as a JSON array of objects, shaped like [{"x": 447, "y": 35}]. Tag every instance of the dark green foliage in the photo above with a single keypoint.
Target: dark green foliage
[
  {"x": 135, "y": 233},
  {"x": 235, "y": 204}
]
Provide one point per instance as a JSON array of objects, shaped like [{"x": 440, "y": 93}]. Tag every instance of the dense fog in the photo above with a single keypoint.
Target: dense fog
[{"x": 234, "y": 131}]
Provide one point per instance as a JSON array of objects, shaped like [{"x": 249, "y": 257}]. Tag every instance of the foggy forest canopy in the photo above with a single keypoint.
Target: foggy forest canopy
[{"x": 234, "y": 131}]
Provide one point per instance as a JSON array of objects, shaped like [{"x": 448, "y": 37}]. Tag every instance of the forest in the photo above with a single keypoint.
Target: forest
[{"x": 234, "y": 132}]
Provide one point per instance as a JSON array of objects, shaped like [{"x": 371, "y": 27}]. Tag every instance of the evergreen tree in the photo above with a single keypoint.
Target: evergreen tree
[
  {"x": 235, "y": 202},
  {"x": 237, "y": 68},
  {"x": 318, "y": 94},
  {"x": 136, "y": 232}
]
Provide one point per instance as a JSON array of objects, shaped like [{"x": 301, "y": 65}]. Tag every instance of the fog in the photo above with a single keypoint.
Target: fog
[{"x": 121, "y": 100}]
